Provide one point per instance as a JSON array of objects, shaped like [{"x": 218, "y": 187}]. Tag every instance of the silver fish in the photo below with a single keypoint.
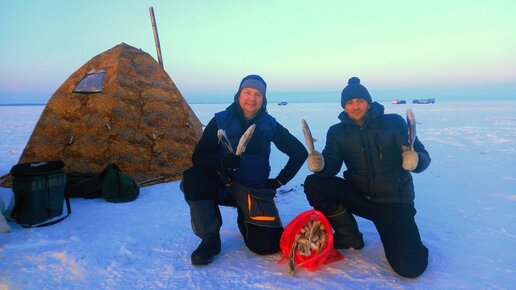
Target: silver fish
[
  {"x": 411, "y": 121},
  {"x": 308, "y": 136},
  {"x": 244, "y": 140},
  {"x": 221, "y": 134},
  {"x": 291, "y": 256}
]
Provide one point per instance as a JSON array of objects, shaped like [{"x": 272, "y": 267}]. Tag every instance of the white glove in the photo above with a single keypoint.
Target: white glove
[
  {"x": 410, "y": 160},
  {"x": 315, "y": 161}
]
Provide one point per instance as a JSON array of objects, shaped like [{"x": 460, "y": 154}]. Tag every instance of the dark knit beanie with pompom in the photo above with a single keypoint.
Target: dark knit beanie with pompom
[{"x": 354, "y": 90}]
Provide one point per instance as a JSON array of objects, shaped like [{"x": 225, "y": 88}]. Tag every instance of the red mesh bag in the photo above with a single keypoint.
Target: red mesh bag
[{"x": 327, "y": 255}]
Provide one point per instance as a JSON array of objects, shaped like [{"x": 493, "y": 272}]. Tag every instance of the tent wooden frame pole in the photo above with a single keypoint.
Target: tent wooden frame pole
[{"x": 156, "y": 37}]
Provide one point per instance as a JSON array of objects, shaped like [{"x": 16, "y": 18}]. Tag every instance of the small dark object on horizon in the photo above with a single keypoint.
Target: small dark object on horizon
[{"x": 423, "y": 101}]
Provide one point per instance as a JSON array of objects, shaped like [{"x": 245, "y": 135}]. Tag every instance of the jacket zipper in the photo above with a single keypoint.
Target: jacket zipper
[
  {"x": 379, "y": 146},
  {"x": 367, "y": 154}
]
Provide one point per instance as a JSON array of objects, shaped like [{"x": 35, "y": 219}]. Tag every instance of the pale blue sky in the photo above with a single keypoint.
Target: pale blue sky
[{"x": 400, "y": 49}]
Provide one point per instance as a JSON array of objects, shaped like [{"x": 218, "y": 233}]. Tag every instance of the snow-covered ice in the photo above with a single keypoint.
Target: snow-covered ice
[{"x": 466, "y": 202}]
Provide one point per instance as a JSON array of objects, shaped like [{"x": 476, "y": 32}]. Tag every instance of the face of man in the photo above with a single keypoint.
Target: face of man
[
  {"x": 357, "y": 109},
  {"x": 251, "y": 101}
]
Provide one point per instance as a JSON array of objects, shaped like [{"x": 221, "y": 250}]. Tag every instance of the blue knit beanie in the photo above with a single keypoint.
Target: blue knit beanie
[
  {"x": 255, "y": 82},
  {"x": 354, "y": 90}
]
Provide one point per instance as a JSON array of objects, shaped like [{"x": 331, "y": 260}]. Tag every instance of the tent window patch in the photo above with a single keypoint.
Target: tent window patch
[{"x": 92, "y": 82}]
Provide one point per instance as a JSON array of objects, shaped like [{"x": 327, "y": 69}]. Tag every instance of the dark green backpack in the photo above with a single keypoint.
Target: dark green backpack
[{"x": 118, "y": 186}]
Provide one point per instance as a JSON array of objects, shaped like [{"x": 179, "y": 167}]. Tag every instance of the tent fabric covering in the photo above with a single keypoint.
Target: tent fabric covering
[{"x": 139, "y": 121}]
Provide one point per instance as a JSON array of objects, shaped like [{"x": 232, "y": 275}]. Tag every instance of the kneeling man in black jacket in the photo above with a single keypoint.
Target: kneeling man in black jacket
[
  {"x": 377, "y": 183},
  {"x": 221, "y": 177}
]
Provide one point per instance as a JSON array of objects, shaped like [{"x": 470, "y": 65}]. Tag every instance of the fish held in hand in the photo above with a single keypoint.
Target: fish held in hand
[
  {"x": 308, "y": 136},
  {"x": 411, "y": 121},
  {"x": 244, "y": 140},
  {"x": 221, "y": 135}
]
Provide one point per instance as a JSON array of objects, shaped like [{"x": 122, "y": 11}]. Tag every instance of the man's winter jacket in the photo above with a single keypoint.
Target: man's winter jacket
[
  {"x": 254, "y": 166},
  {"x": 372, "y": 155}
]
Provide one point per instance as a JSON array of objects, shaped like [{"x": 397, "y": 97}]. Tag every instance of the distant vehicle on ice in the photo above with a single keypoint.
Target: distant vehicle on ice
[
  {"x": 396, "y": 101},
  {"x": 423, "y": 101},
  {"x": 282, "y": 103}
]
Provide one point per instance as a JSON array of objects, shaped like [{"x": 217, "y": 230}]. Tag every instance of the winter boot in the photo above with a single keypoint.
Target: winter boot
[
  {"x": 346, "y": 231},
  {"x": 206, "y": 223},
  {"x": 207, "y": 250}
]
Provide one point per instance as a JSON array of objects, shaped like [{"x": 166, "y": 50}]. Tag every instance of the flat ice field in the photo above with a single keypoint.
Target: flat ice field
[{"x": 466, "y": 202}]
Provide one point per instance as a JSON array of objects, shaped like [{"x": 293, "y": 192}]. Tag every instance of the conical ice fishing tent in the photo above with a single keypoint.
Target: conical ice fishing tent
[{"x": 120, "y": 107}]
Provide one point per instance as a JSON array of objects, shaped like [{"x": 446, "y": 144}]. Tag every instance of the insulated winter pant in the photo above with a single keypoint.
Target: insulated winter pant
[
  {"x": 395, "y": 222},
  {"x": 204, "y": 192}
]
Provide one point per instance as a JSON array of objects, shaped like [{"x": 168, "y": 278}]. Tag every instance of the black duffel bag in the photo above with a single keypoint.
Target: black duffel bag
[{"x": 39, "y": 193}]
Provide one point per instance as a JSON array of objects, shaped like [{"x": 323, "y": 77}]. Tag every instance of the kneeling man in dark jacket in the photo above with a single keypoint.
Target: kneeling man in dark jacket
[
  {"x": 377, "y": 183},
  {"x": 220, "y": 177}
]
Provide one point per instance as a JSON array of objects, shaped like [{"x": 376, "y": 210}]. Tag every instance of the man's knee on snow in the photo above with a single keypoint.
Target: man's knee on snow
[
  {"x": 410, "y": 265},
  {"x": 263, "y": 240}
]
